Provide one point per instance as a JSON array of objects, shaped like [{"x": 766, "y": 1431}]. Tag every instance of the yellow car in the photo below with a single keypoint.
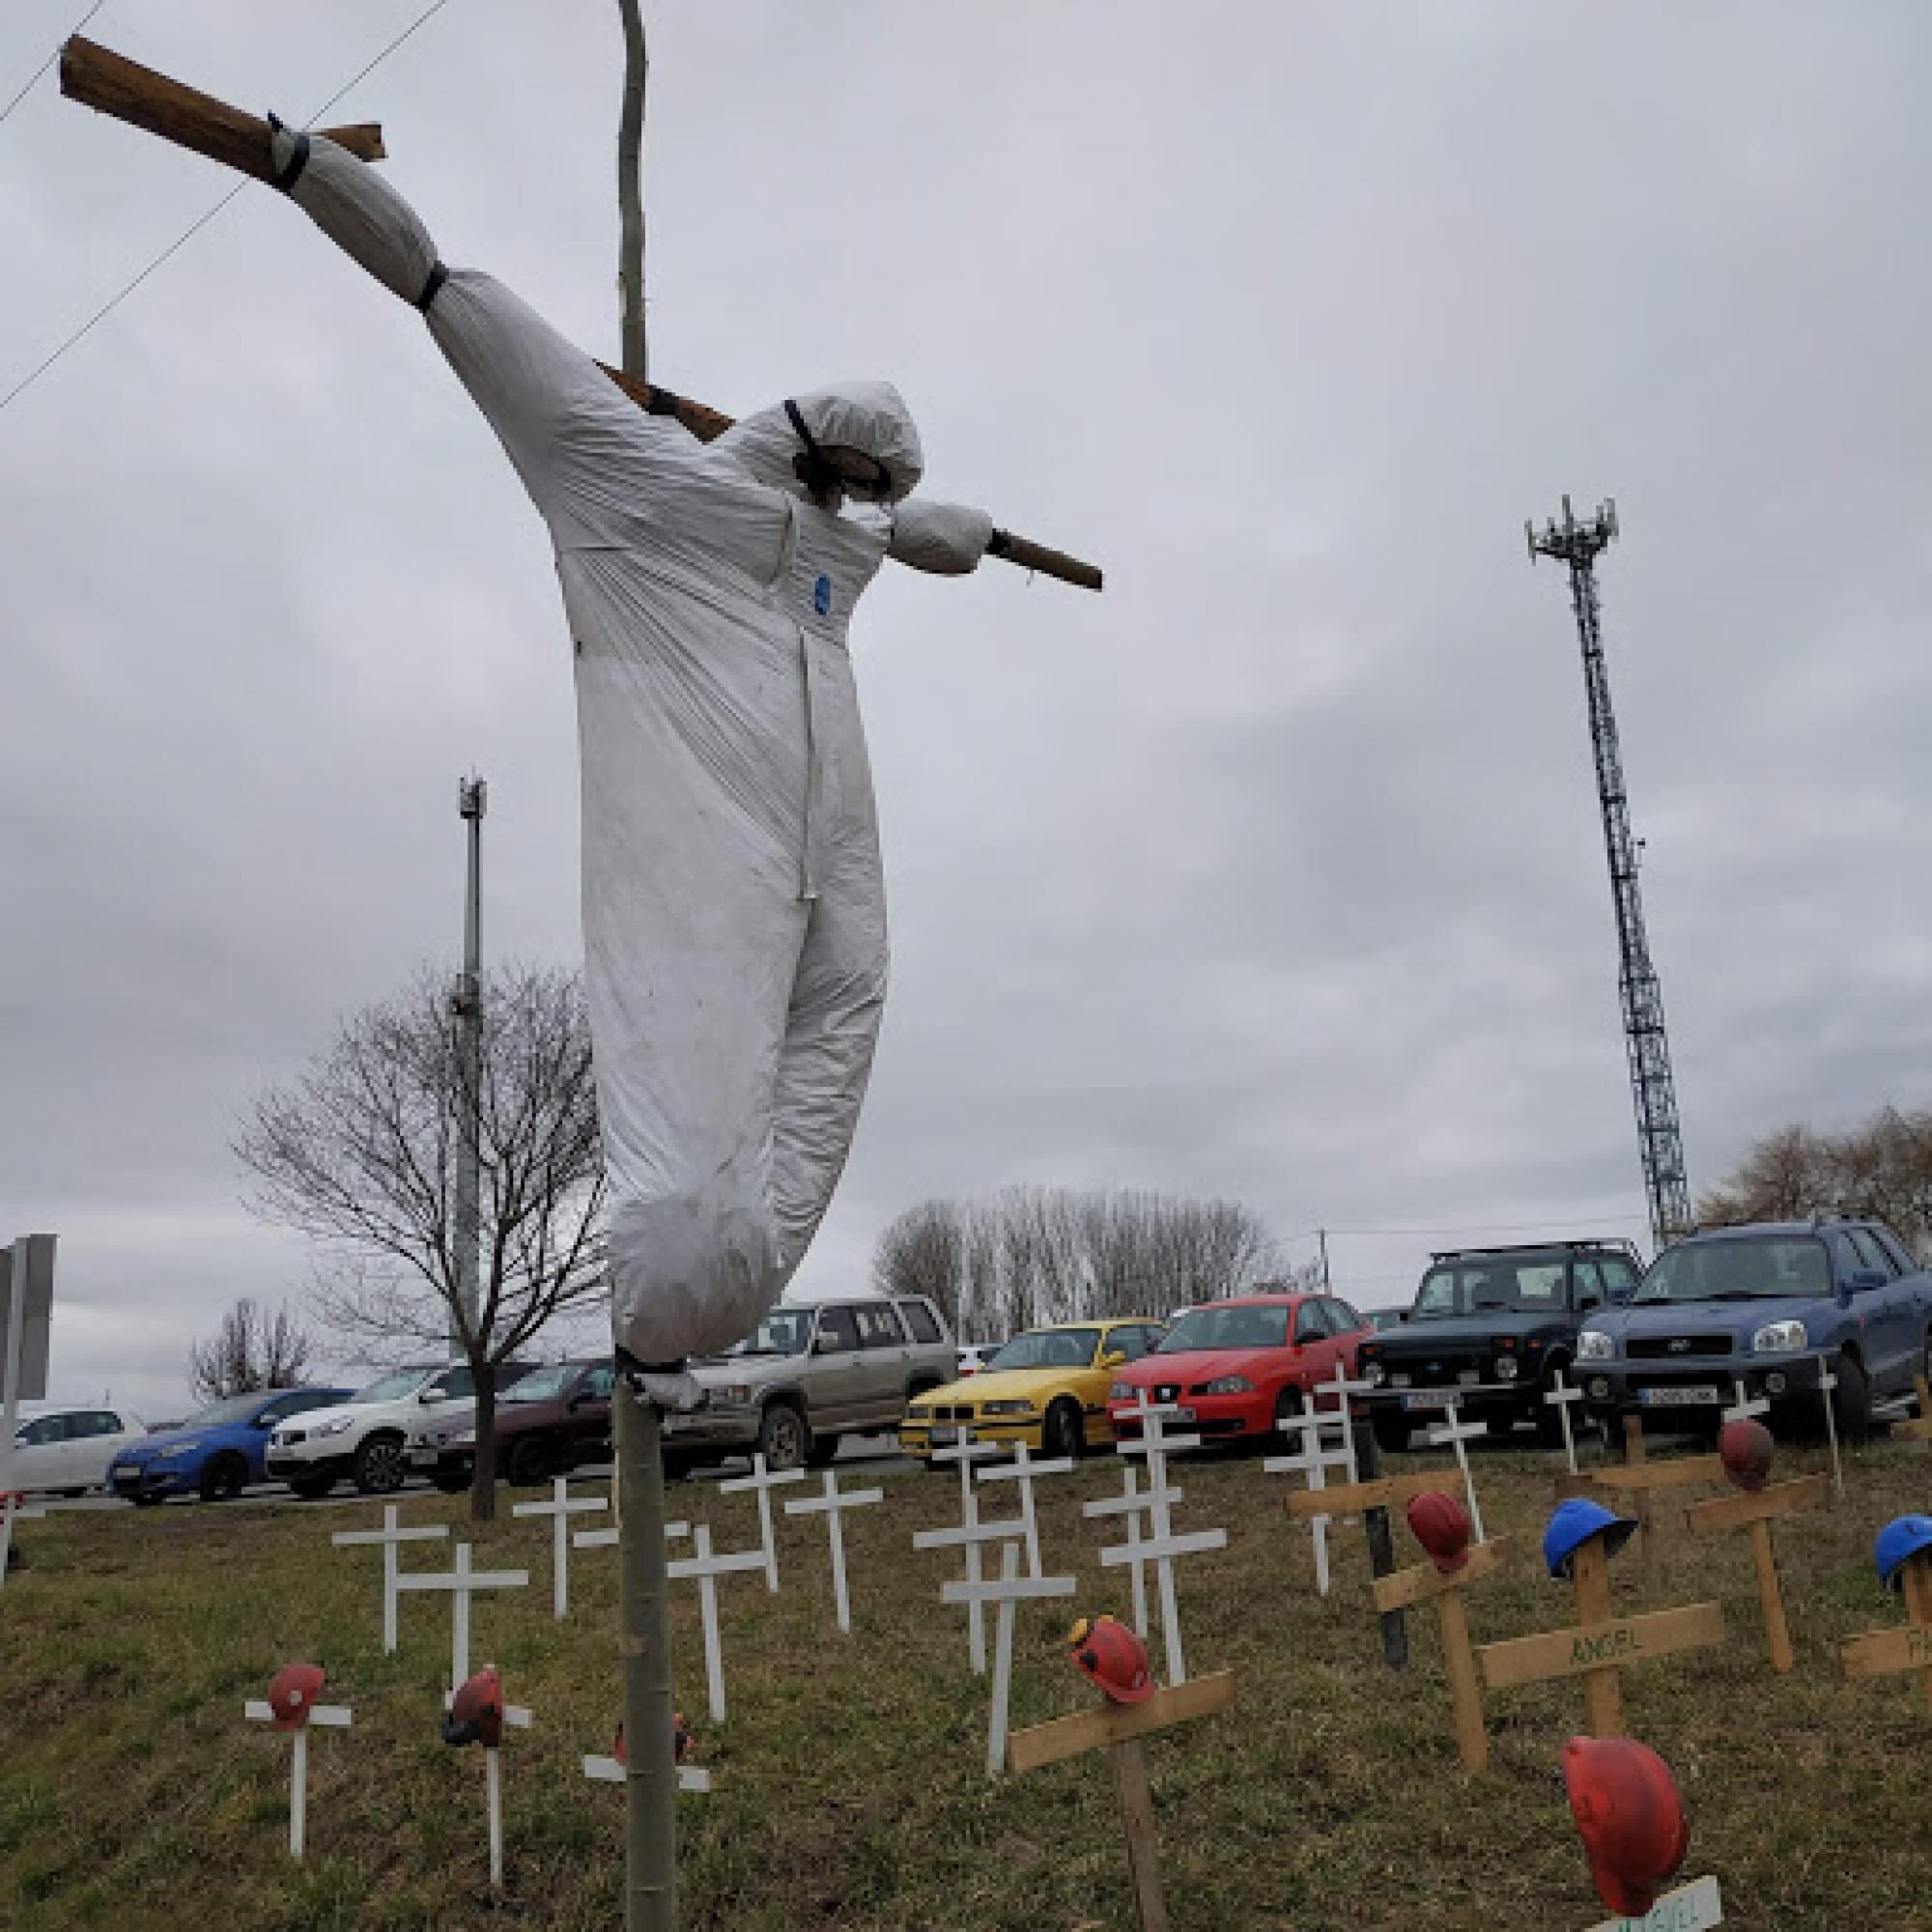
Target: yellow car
[{"x": 1046, "y": 1388}]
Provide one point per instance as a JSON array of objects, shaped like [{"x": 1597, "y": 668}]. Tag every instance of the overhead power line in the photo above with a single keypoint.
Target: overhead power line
[
  {"x": 27, "y": 86},
  {"x": 201, "y": 221}
]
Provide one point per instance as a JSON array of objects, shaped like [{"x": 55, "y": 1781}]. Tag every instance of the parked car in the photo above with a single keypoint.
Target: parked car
[
  {"x": 1763, "y": 1305},
  {"x": 810, "y": 1371},
  {"x": 1382, "y": 1319},
  {"x": 1494, "y": 1326},
  {"x": 1046, "y": 1388},
  {"x": 548, "y": 1422},
  {"x": 215, "y": 1454},
  {"x": 1243, "y": 1366},
  {"x": 68, "y": 1451},
  {"x": 367, "y": 1437}
]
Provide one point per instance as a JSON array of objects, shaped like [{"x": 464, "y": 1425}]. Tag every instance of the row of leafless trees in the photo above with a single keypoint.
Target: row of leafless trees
[
  {"x": 1029, "y": 1255},
  {"x": 1882, "y": 1167}
]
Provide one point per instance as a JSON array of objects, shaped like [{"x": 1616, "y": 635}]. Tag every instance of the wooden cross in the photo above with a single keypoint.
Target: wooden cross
[
  {"x": 610, "y": 1539},
  {"x": 615, "y": 1770},
  {"x": 707, "y": 1568},
  {"x": 1344, "y": 1390},
  {"x": 390, "y": 1537},
  {"x": 1117, "y": 1729},
  {"x": 1022, "y": 1471},
  {"x": 560, "y": 1509},
  {"x": 763, "y": 1479},
  {"x": 1827, "y": 1382},
  {"x": 1129, "y": 1504},
  {"x": 1757, "y": 1511},
  {"x": 1601, "y": 1644},
  {"x": 1007, "y": 1591},
  {"x": 1163, "y": 1545},
  {"x": 965, "y": 1452},
  {"x": 1744, "y": 1405},
  {"x": 1406, "y": 1588},
  {"x": 492, "y": 1792},
  {"x": 337, "y": 1716},
  {"x": 1559, "y": 1396},
  {"x": 1456, "y": 1433},
  {"x": 1637, "y": 1480},
  {"x": 462, "y": 1582},
  {"x": 1918, "y": 1428},
  {"x": 1316, "y": 1461},
  {"x": 832, "y": 1505},
  {"x": 1886, "y": 1653}
]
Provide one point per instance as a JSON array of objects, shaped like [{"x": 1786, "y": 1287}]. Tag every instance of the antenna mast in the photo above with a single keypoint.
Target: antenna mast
[{"x": 1659, "y": 1138}]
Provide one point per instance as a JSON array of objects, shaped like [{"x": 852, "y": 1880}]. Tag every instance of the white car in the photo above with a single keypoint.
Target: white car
[
  {"x": 69, "y": 1450},
  {"x": 364, "y": 1438}
]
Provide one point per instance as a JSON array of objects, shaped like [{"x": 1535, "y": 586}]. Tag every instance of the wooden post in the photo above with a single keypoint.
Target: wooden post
[
  {"x": 1423, "y": 1581},
  {"x": 1134, "y": 1801},
  {"x": 1381, "y": 1545},
  {"x": 1886, "y": 1653},
  {"x": 1756, "y": 1512},
  {"x": 1646, "y": 1544},
  {"x": 1603, "y": 1690}
]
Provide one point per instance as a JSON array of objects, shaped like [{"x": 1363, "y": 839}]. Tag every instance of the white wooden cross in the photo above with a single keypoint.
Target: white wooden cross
[
  {"x": 390, "y": 1537},
  {"x": 707, "y": 1568},
  {"x": 765, "y": 1480},
  {"x": 492, "y": 1788},
  {"x": 1131, "y": 1503},
  {"x": 1007, "y": 1592},
  {"x": 1743, "y": 1407},
  {"x": 1827, "y": 1382},
  {"x": 462, "y": 1582},
  {"x": 612, "y": 1771},
  {"x": 560, "y": 1509},
  {"x": 1343, "y": 1391},
  {"x": 832, "y": 1503},
  {"x": 1316, "y": 1461},
  {"x": 1455, "y": 1430},
  {"x": 1559, "y": 1396},
  {"x": 339, "y": 1717},
  {"x": 1022, "y": 1471},
  {"x": 1162, "y": 1547},
  {"x": 965, "y": 1452},
  {"x": 16, "y": 1508},
  {"x": 609, "y": 1539}
]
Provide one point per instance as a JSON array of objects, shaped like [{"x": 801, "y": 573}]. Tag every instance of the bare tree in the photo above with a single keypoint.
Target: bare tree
[
  {"x": 250, "y": 1351},
  {"x": 1029, "y": 1255},
  {"x": 360, "y": 1153}
]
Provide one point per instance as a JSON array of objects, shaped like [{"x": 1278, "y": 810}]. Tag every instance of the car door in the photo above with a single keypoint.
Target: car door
[
  {"x": 1317, "y": 1348},
  {"x": 1889, "y": 1313},
  {"x": 587, "y": 1426},
  {"x": 39, "y": 1448},
  {"x": 883, "y": 1356},
  {"x": 835, "y": 1383},
  {"x": 98, "y": 1437}
]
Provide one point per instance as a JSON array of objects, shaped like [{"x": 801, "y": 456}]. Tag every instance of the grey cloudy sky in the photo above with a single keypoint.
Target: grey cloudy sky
[{"x": 1272, "y": 873}]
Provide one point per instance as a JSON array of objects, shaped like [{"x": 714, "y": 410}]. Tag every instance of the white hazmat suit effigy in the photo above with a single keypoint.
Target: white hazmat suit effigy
[{"x": 734, "y": 919}]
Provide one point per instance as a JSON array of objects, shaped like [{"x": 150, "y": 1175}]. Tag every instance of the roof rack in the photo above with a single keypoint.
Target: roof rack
[{"x": 1614, "y": 1243}]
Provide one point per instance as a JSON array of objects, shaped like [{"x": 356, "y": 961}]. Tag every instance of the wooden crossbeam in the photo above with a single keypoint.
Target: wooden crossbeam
[
  {"x": 1423, "y": 1581},
  {"x": 1676, "y": 1472},
  {"x": 1756, "y": 1512},
  {"x": 1386, "y": 1493},
  {"x": 1114, "y": 1724},
  {"x": 1887, "y": 1652},
  {"x": 1570, "y": 1652}
]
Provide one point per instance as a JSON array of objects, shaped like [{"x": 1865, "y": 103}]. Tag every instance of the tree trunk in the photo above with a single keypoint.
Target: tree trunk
[{"x": 483, "y": 1477}]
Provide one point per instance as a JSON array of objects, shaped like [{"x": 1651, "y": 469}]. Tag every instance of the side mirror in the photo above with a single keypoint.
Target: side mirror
[
  {"x": 1863, "y": 1278},
  {"x": 1114, "y": 1359}
]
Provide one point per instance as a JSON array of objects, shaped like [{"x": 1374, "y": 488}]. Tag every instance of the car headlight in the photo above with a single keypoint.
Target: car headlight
[
  {"x": 1121, "y": 1392},
  {"x": 175, "y": 1451},
  {"x": 919, "y": 1412},
  {"x": 1594, "y": 1347},
  {"x": 1374, "y": 1373},
  {"x": 1779, "y": 1338},
  {"x": 1228, "y": 1385},
  {"x": 1506, "y": 1367},
  {"x": 739, "y": 1393},
  {"x": 1005, "y": 1409},
  {"x": 335, "y": 1428}
]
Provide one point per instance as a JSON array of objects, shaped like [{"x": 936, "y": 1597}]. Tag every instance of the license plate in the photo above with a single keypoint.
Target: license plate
[
  {"x": 943, "y": 1435},
  {"x": 127, "y": 1475},
  {"x": 1699, "y": 1397},
  {"x": 1186, "y": 1415},
  {"x": 1427, "y": 1399}
]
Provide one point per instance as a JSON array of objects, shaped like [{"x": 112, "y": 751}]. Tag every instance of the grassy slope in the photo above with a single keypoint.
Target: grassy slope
[{"x": 850, "y": 1780}]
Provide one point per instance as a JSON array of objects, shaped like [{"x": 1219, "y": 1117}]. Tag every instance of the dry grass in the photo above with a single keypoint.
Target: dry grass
[{"x": 850, "y": 1787}]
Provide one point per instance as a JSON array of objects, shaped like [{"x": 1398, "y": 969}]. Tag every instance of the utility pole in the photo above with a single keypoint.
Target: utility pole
[
  {"x": 467, "y": 1005},
  {"x": 1659, "y": 1138},
  {"x": 1322, "y": 1237}
]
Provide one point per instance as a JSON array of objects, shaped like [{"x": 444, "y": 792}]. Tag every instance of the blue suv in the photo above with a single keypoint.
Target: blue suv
[
  {"x": 1763, "y": 1305},
  {"x": 217, "y": 1454}
]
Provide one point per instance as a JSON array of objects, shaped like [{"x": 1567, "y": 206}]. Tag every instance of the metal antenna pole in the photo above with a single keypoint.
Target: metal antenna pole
[
  {"x": 1659, "y": 1138},
  {"x": 471, "y": 801}
]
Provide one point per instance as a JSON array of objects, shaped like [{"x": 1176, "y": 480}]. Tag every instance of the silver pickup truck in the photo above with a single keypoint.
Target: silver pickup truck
[{"x": 810, "y": 1371}]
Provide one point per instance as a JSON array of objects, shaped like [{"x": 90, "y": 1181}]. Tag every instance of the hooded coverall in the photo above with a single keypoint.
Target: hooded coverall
[{"x": 734, "y": 918}]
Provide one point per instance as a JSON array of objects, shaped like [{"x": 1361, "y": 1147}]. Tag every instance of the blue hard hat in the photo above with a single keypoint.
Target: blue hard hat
[
  {"x": 1902, "y": 1537},
  {"x": 1572, "y": 1523}
]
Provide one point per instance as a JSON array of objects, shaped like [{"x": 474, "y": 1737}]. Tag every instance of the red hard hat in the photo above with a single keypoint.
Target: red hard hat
[
  {"x": 476, "y": 1715},
  {"x": 1441, "y": 1525},
  {"x": 1746, "y": 1448},
  {"x": 291, "y": 1694},
  {"x": 1108, "y": 1651},
  {"x": 1631, "y": 1817},
  {"x": 680, "y": 1735}
]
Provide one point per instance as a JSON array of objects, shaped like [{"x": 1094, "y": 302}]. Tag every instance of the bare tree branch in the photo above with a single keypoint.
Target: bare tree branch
[{"x": 250, "y": 1351}]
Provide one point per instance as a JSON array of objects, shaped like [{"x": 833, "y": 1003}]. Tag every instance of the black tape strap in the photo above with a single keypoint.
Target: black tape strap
[
  {"x": 297, "y": 161},
  {"x": 998, "y": 543},
  {"x": 663, "y": 402},
  {"x": 438, "y": 275}
]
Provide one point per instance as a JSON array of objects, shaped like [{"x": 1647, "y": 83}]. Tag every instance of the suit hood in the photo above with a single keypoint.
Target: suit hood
[{"x": 871, "y": 416}]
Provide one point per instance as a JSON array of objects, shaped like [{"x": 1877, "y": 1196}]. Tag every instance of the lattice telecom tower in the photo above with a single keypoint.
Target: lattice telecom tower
[{"x": 1659, "y": 1139}]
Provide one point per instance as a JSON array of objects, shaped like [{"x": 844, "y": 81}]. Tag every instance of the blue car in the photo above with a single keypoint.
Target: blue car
[
  {"x": 1763, "y": 1305},
  {"x": 215, "y": 1455}
]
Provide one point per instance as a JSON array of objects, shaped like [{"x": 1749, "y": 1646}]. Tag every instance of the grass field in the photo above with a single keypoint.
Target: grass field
[{"x": 850, "y": 1787}]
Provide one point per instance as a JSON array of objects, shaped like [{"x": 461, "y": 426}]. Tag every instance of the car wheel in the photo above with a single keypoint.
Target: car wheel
[
  {"x": 782, "y": 1438},
  {"x": 1063, "y": 1432},
  {"x": 1391, "y": 1428},
  {"x": 380, "y": 1465},
  {"x": 529, "y": 1460},
  {"x": 1852, "y": 1399},
  {"x": 824, "y": 1447},
  {"x": 145, "y": 1503},
  {"x": 1289, "y": 1406},
  {"x": 223, "y": 1480},
  {"x": 73, "y": 1495},
  {"x": 311, "y": 1488}
]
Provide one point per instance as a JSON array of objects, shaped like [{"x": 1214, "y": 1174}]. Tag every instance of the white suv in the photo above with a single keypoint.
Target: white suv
[{"x": 363, "y": 1437}]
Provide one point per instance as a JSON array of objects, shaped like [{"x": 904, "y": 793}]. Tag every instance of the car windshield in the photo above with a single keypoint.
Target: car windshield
[
  {"x": 391, "y": 1388},
  {"x": 236, "y": 1408},
  {"x": 784, "y": 1331},
  {"x": 1234, "y": 1326},
  {"x": 541, "y": 1384},
  {"x": 1490, "y": 1285},
  {"x": 1742, "y": 1268},
  {"x": 1047, "y": 1348}
]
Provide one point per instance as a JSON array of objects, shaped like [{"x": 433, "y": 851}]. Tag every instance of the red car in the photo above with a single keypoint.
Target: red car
[{"x": 1239, "y": 1368}]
